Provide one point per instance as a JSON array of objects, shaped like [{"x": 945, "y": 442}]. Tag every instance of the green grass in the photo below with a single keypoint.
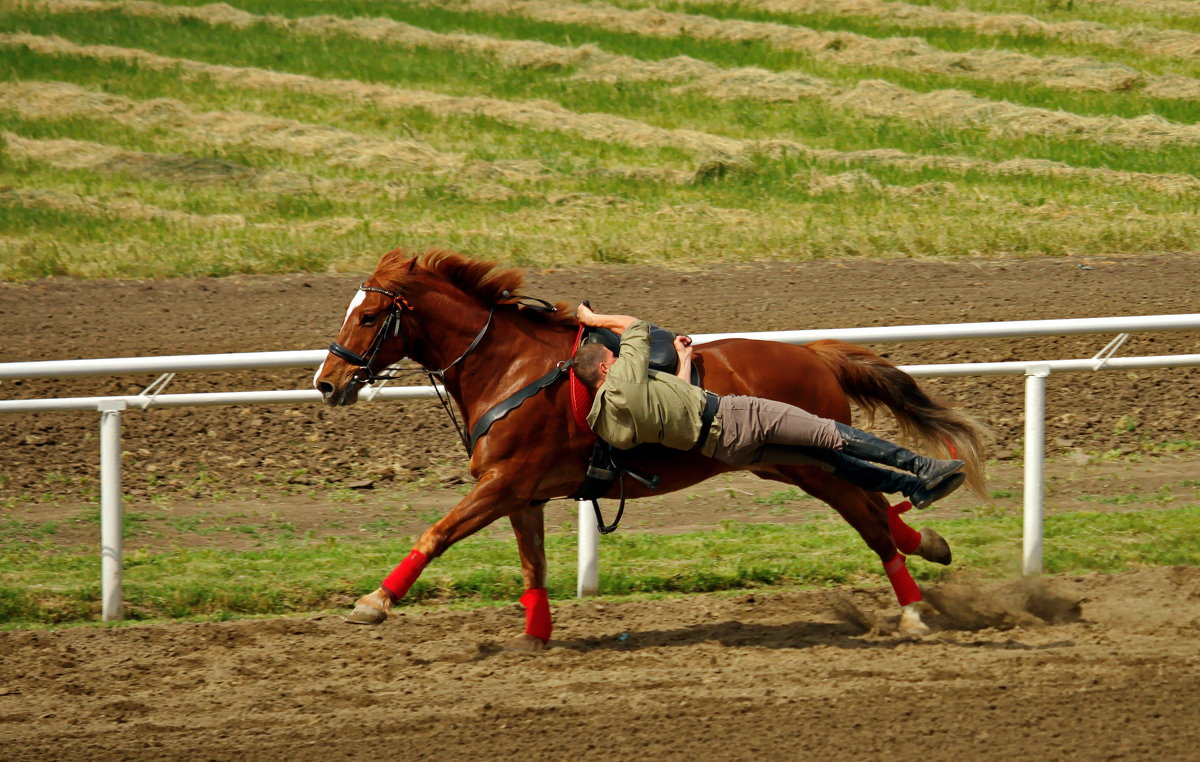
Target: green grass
[
  {"x": 44, "y": 583},
  {"x": 944, "y": 38},
  {"x": 457, "y": 73},
  {"x": 1111, "y": 14},
  {"x": 580, "y": 197},
  {"x": 726, "y": 54}
]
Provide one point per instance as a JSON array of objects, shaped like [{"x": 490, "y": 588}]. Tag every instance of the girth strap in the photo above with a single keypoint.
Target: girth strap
[
  {"x": 512, "y": 403},
  {"x": 711, "y": 402}
]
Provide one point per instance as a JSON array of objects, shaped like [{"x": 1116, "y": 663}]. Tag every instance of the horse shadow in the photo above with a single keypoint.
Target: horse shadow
[
  {"x": 793, "y": 636},
  {"x": 733, "y": 633}
]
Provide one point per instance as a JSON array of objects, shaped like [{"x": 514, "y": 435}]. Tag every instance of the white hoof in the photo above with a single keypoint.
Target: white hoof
[
  {"x": 911, "y": 625},
  {"x": 371, "y": 609}
]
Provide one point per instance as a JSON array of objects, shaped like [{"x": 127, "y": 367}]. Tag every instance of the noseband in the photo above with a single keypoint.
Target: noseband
[{"x": 391, "y": 329}]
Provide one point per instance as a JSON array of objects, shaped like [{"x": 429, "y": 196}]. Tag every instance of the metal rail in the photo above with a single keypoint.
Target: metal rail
[{"x": 1035, "y": 372}]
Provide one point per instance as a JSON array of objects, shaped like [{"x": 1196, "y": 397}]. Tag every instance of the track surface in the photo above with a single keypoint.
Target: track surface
[
  {"x": 1010, "y": 673},
  {"x": 764, "y": 676}
]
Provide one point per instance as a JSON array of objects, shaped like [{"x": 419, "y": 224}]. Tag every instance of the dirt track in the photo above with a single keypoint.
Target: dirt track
[
  {"x": 783, "y": 675},
  {"x": 750, "y": 677}
]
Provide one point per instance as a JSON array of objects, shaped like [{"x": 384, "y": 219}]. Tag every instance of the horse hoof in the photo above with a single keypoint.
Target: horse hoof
[
  {"x": 911, "y": 625},
  {"x": 933, "y": 547},
  {"x": 370, "y": 609},
  {"x": 525, "y": 643}
]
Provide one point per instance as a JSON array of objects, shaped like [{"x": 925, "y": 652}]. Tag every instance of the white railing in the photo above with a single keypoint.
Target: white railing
[{"x": 1035, "y": 372}]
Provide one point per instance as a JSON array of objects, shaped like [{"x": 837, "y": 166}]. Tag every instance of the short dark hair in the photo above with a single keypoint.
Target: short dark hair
[{"x": 587, "y": 361}]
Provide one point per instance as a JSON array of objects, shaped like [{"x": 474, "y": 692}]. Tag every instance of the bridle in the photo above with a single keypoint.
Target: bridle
[{"x": 391, "y": 329}]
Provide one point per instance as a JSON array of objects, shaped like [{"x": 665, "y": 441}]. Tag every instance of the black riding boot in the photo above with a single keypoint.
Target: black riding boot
[
  {"x": 860, "y": 444},
  {"x": 921, "y": 492}
]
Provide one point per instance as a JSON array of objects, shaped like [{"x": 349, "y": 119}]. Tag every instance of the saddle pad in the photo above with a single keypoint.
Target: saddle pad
[{"x": 581, "y": 396}]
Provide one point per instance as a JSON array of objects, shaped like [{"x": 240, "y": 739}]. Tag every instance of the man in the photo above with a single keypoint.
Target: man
[{"x": 635, "y": 405}]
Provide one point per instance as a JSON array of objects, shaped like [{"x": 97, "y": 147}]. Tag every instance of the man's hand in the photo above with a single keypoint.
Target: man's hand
[
  {"x": 684, "y": 348},
  {"x": 585, "y": 315}
]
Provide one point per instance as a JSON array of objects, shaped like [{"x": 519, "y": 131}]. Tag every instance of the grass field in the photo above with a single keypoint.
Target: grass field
[
  {"x": 49, "y": 584},
  {"x": 154, "y": 139}
]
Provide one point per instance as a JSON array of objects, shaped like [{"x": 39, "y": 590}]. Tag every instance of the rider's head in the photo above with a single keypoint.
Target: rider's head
[{"x": 592, "y": 362}]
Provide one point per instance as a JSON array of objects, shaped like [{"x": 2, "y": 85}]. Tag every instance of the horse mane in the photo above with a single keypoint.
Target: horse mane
[{"x": 484, "y": 280}]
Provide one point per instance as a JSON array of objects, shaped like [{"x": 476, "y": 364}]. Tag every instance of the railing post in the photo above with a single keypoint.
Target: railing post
[
  {"x": 1035, "y": 458},
  {"x": 110, "y": 509},
  {"x": 588, "y": 580}
]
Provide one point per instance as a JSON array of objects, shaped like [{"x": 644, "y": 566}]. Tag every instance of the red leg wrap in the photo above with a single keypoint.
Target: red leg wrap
[
  {"x": 907, "y": 539},
  {"x": 403, "y": 576},
  {"x": 537, "y": 613},
  {"x": 902, "y": 582}
]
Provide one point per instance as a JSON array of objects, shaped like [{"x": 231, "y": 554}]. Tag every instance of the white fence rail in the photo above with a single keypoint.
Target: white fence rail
[{"x": 1035, "y": 372}]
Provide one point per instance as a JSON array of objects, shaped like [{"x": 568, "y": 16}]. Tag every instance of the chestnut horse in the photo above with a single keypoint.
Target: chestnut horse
[{"x": 463, "y": 320}]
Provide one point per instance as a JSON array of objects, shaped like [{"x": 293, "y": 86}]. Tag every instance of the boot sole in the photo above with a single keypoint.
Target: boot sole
[{"x": 927, "y": 496}]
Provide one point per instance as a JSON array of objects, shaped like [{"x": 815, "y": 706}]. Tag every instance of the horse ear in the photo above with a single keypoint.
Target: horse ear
[{"x": 412, "y": 265}]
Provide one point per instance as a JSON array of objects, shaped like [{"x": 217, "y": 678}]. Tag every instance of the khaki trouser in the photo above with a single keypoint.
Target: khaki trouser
[{"x": 756, "y": 430}]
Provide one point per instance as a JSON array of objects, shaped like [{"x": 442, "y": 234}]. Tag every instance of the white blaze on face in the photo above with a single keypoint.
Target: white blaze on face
[{"x": 359, "y": 296}]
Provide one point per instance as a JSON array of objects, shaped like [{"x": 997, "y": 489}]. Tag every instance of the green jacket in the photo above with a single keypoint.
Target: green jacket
[{"x": 636, "y": 405}]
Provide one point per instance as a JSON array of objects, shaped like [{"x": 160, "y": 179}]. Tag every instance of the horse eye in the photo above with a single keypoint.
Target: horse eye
[{"x": 367, "y": 319}]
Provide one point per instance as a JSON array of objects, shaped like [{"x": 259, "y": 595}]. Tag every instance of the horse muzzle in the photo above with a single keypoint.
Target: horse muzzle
[{"x": 336, "y": 396}]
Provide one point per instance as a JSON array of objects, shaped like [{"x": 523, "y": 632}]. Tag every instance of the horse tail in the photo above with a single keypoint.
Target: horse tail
[{"x": 872, "y": 382}]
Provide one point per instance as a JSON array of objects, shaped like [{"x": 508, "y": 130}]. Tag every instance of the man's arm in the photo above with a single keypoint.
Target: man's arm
[{"x": 615, "y": 323}]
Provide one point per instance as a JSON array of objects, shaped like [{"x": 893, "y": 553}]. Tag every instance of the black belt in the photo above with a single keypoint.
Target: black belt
[{"x": 711, "y": 402}]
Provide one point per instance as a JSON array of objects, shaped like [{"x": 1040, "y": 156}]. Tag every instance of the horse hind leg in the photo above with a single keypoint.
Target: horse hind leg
[
  {"x": 926, "y": 543},
  {"x": 867, "y": 513}
]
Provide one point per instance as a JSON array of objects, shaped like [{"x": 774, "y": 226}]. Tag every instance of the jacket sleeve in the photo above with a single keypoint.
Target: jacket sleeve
[
  {"x": 627, "y": 388},
  {"x": 633, "y": 363}
]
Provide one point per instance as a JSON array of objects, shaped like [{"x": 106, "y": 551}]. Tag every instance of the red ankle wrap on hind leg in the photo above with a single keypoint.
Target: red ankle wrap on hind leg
[
  {"x": 537, "y": 613},
  {"x": 403, "y": 576},
  {"x": 902, "y": 582},
  {"x": 907, "y": 539}
]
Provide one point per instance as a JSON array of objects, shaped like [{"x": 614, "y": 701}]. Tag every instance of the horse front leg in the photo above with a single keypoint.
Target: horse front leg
[
  {"x": 530, "y": 528},
  {"x": 491, "y": 498}
]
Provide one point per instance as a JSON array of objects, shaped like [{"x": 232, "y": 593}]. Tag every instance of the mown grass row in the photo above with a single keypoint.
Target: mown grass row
[
  {"x": 600, "y": 198},
  {"x": 873, "y": 24},
  {"x": 650, "y": 102},
  {"x": 820, "y": 124},
  {"x": 1152, "y": 13},
  {"x": 728, "y": 54},
  {"x": 47, "y": 585}
]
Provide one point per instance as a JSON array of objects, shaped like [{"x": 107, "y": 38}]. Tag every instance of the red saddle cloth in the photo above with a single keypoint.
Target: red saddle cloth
[{"x": 581, "y": 396}]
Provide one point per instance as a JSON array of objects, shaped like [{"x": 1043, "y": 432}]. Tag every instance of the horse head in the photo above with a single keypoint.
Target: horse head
[
  {"x": 424, "y": 307},
  {"x": 374, "y": 333}
]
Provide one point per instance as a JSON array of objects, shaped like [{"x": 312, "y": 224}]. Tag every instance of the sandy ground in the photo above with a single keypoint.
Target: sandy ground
[
  {"x": 1086, "y": 668},
  {"x": 1070, "y": 669}
]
